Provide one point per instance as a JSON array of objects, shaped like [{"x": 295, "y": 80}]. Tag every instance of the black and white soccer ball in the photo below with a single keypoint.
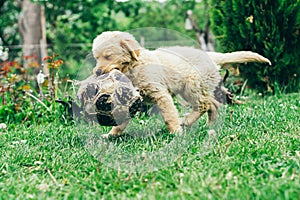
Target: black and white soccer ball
[{"x": 109, "y": 99}]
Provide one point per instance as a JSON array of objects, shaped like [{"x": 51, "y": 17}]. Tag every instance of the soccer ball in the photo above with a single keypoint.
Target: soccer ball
[{"x": 109, "y": 99}]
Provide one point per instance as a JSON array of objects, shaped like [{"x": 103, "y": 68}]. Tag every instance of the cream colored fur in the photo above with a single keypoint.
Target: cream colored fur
[
  {"x": 237, "y": 57},
  {"x": 196, "y": 56},
  {"x": 160, "y": 74}
]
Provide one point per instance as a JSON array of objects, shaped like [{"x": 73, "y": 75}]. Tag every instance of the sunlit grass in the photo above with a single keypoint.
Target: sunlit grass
[{"x": 255, "y": 156}]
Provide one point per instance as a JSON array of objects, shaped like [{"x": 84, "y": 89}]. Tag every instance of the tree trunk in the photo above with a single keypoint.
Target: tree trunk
[{"x": 31, "y": 29}]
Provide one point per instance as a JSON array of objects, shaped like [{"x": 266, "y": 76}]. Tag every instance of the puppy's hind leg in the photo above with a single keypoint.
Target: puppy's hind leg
[
  {"x": 196, "y": 113},
  {"x": 196, "y": 94},
  {"x": 211, "y": 109},
  {"x": 212, "y": 115},
  {"x": 191, "y": 117}
]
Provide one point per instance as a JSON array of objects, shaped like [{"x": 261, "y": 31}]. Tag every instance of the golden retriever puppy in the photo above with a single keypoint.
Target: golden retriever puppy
[{"x": 161, "y": 74}]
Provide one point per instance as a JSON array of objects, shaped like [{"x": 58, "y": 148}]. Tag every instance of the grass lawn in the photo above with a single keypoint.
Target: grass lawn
[{"x": 255, "y": 154}]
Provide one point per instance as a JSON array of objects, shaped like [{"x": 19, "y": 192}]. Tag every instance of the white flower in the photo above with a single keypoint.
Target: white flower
[
  {"x": 3, "y": 54},
  {"x": 40, "y": 78},
  {"x": 3, "y": 126},
  {"x": 250, "y": 19},
  {"x": 229, "y": 175}
]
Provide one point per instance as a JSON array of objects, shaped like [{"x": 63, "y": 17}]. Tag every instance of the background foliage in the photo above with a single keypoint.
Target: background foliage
[{"x": 269, "y": 27}]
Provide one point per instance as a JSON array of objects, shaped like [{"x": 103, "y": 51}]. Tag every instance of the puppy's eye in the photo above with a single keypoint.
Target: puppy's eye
[
  {"x": 107, "y": 57},
  {"x": 125, "y": 63}
]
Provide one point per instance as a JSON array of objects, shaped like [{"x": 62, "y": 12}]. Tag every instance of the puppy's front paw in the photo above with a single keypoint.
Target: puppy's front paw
[
  {"x": 181, "y": 121},
  {"x": 177, "y": 130},
  {"x": 106, "y": 136},
  {"x": 109, "y": 136}
]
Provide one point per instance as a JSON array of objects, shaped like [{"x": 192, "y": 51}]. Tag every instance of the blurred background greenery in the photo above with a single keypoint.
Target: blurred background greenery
[
  {"x": 67, "y": 28},
  {"x": 269, "y": 27}
]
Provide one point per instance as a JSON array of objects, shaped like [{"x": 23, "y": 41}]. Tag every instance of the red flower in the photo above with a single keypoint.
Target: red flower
[
  {"x": 47, "y": 58},
  {"x": 33, "y": 56}
]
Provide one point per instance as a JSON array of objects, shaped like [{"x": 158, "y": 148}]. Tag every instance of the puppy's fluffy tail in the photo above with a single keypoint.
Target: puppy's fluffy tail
[{"x": 237, "y": 57}]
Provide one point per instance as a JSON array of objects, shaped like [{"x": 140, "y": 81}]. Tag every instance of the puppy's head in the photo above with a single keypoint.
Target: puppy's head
[{"x": 115, "y": 50}]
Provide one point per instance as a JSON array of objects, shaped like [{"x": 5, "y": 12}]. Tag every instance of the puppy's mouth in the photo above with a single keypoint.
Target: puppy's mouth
[
  {"x": 110, "y": 68},
  {"x": 125, "y": 63},
  {"x": 103, "y": 70}
]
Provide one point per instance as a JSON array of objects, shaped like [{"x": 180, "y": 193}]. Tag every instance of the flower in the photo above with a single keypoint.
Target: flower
[
  {"x": 229, "y": 175},
  {"x": 47, "y": 58},
  {"x": 250, "y": 19},
  {"x": 40, "y": 78},
  {"x": 3, "y": 54},
  {"x": 55, "y": 64},
  {"x": 3, "y": 126},
  {"x": 14, "y": 78}
]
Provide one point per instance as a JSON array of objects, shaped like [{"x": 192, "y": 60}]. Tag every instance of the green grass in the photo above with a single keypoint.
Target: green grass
[{"x": 255, "y": 156}]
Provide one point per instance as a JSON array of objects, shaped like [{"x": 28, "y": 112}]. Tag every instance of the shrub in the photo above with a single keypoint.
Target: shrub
[
  {"x": 269, "y": 27},
  {"x": 23, "y": 99}
]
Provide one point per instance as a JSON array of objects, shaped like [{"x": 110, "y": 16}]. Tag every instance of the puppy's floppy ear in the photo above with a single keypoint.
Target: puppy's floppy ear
[{"x": 132, "y": 48}]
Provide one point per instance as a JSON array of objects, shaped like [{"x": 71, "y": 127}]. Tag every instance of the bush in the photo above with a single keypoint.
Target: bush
[
  {"x": 269, "y": 27},
  {"x": 23, "y": 98}
]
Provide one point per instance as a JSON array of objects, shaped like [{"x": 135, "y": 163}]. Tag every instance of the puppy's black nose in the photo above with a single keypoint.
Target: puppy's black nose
[{"x": 99, "y": 72}]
